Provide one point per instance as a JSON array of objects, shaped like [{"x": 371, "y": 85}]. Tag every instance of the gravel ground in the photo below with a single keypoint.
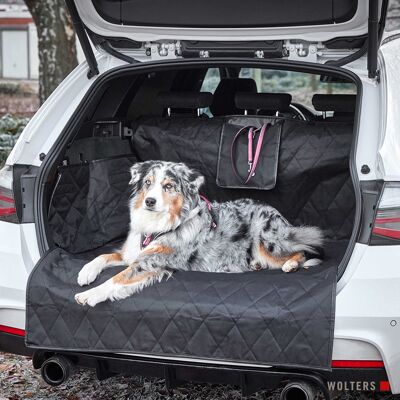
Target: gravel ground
[{"x": 18, "y": 380}]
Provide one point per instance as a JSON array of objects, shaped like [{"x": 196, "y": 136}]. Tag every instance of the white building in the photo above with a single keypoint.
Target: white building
[{"x": 18, "y": 42}]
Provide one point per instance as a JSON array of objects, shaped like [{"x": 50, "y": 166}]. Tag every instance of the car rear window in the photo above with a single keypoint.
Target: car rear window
[{"x": 301, "y": 86}]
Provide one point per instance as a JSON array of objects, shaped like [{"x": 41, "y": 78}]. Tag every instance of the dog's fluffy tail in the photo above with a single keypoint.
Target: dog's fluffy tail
[{"x": 308, "y": 239}]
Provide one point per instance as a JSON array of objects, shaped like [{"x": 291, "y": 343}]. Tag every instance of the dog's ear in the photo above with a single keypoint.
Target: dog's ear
[
  {"x": 195, "y": 181},
  {"x": 135, "y": 173},
  {"x": 139, "y": 170},
  {"x": 191, "y": 178}
]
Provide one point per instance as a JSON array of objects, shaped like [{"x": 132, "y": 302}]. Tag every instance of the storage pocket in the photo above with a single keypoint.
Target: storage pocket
[
  {"x": 89, "y": 204},
  {"x": 248, "y": 156}
]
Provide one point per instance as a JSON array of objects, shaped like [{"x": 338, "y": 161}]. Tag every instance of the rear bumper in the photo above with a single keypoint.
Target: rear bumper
[
  {"x": 249, "y": 379},
  {"x": 177, "y": 372},
  {"x": 15, "y": 344}
]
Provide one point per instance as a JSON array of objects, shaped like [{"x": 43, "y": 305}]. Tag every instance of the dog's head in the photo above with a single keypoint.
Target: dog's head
[{"x": 164, "y": 193}]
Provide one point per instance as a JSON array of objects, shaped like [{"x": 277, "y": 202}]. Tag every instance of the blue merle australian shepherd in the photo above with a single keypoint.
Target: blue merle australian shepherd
[{"x": 174, "y": 228}]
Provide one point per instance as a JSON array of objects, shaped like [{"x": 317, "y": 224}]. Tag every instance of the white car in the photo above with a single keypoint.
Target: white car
[{"x": 55, "y": 196}]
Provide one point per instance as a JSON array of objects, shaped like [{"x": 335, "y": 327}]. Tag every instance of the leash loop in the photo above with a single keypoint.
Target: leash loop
[{"x": 252, "y": 157}]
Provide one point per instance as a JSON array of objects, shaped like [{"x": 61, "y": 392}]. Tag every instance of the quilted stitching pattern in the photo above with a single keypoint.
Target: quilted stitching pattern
[
  {"x": 261, "y": 317},
  {"x": 313, "y": 185},
  {"x": 89, "y": 207},
  {"x": 255, "y": 317}
]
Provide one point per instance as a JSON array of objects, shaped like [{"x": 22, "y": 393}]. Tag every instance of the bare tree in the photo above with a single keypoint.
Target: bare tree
[
  {"x": 393, "y": 16},
  {"x": 56, "y": 43}
]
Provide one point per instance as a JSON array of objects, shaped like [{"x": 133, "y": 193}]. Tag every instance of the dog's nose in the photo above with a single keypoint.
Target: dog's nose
[{"x": 150, "y": 202}]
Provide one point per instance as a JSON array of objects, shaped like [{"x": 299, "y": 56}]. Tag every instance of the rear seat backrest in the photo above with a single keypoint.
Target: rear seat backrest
[
  {"x": 313, "y": 186},
  {"x": 343, "y": 106},
  {"x": 224, "y": 95}
]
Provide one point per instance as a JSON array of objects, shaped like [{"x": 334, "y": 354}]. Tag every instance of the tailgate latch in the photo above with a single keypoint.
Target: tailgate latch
[
  {"x": 162, "y": 51},
  {"x": 302, "y": 51}
]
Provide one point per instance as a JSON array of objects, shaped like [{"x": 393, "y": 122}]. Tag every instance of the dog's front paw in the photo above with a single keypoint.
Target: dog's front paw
[
  {"x": 88, "y": 273},
  {"x": 290, "y": 266},
  {"x": 88, "y": 297}
]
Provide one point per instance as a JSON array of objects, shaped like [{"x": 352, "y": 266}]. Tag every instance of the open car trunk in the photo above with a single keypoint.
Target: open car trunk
[{"x": 264, "y": 317}]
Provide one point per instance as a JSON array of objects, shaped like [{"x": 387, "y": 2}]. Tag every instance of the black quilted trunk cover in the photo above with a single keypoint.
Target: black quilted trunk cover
[
  {"x": 313, "y": 184},
  {"x": 89, "y": 205},
  {"x": 264, "y": 317}
]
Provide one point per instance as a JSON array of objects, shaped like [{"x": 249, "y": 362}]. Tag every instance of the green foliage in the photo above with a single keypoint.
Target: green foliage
[
  {"x": 12, "y": 125},
  {"x": 10, "y": 129},
  {"x": 7, "y": 88}
]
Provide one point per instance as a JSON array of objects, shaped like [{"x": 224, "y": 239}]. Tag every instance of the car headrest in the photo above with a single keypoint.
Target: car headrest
[
  {"x": 185, "y": 100},
  {"x": 263, "y": 101},
  {"x": 339, "y": 103},
  {"x": 224, "y": 96}
]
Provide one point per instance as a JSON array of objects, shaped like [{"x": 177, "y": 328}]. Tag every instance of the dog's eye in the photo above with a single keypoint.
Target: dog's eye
[
  {"x": 147, "y": 182},
  {"x": 168, "y": 186}
]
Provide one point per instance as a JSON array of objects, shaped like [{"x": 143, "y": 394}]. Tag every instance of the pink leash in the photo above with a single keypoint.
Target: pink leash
[
  {"x": 250, "y": 136},
  {"x": 208, "y": 202},
  {"x": 209, "y": 207},
  {"x": 252, "y": 161}
]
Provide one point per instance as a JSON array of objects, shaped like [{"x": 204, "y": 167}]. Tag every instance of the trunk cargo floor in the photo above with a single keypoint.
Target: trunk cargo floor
[{"x": 264, "y": 317}]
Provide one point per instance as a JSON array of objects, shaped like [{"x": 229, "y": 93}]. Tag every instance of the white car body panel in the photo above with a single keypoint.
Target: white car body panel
[
  {"x": 389, "y": 152},
  {"x": 18, "y": 255},
  {"x": 369, "y": 122},
  {"x": 46, "y": 125},
  {"x": 367, "y": 308}
]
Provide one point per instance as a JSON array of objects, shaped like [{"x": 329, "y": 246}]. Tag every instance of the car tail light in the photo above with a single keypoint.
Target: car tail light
[
  {"x": 357, "y": 364},
  {"x": 386, "y": 227},
  {"x": 12, "y": 330},
  {"x": 8, "y": 210}
]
